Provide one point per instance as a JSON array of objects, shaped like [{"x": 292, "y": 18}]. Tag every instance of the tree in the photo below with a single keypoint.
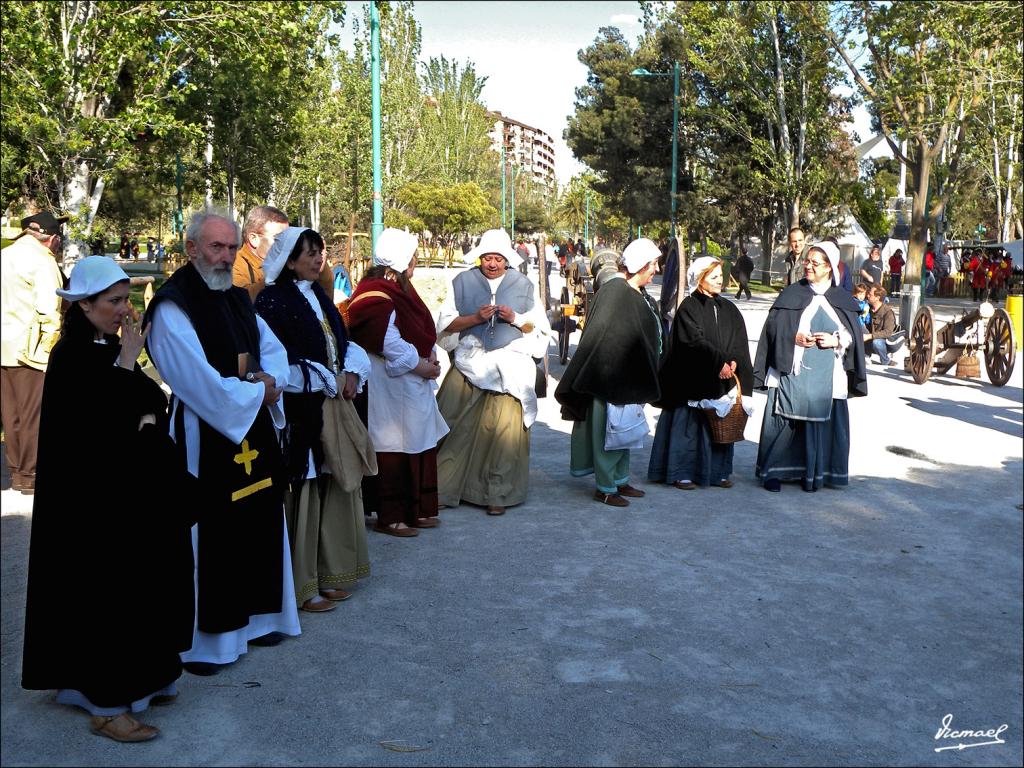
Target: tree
[
  {"x": 455, "y": 124},
  {"x": 82, "y": 81},
  {"x": 924, "y": 81},
  {"x": 446, "y": 211}
]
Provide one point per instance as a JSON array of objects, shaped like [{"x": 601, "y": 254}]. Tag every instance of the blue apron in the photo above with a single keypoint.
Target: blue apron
[{"x": 808, "y": 397}]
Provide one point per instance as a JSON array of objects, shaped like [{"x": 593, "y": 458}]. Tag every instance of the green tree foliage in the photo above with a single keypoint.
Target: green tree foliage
[
  {"x": 924, "y": 81},
  {"x": 456, "y": 146},
  {"x": 447, "y": 211},
  {"x": 760, "y": 135},
  {"x": 84, "y": 81}
]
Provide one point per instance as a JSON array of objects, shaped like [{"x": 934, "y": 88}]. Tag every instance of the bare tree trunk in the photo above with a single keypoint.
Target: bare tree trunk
[
  {"x": 1011, "y": 160},
  {"x": 920, "y": 172},
  {"x": 230, "y": 167},
  {"x": 208, "y": 156},
  {"x": 767, "y": 249}
]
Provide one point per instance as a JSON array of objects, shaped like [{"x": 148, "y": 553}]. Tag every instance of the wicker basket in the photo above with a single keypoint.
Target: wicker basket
[{"x": 728, "y": 428}]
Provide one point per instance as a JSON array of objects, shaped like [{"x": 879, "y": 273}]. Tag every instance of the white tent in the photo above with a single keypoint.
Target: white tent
[{"x": 854, "y": 243}]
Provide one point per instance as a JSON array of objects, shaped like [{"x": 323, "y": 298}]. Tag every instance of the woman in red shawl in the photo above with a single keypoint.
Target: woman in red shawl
[{"x": 388, "y": 319}]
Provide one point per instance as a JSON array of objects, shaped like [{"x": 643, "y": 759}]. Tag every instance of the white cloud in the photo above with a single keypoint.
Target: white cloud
[{"x": 624, "y": 18}]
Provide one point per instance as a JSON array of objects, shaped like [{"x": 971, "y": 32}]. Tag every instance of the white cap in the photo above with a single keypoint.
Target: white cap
[
  {"x": 92, "y": 275},
  {"x": 639, "y": 254},
  {"x": 279, "y": 252},
  {"x": 696, "y": 269},
  {"x": 495, "y": 241},
  {"x": 831, "y": 251},
  {"x": 395, "y": 248}
]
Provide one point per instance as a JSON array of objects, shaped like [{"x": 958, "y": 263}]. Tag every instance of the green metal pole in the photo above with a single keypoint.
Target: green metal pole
[
  {"x": 675, "y": 143},
  {"x": 378, "y": 205},
  {"x": 504, "y": 217},
  {"x": 513, "y": 222}
]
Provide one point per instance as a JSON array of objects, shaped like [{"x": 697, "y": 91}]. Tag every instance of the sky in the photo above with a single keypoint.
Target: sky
[{"x": 528, "y": 51}]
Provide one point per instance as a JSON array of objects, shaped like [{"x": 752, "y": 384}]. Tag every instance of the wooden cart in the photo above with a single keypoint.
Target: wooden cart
[{"x": 938, "y": 348}]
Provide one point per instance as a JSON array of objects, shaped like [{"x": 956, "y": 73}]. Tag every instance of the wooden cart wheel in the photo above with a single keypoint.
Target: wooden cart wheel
[
  {"x": 922, "y": 345},
  {"x": 1000, "y": 348}
]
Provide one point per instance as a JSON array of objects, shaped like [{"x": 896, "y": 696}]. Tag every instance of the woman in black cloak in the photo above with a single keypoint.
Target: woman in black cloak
[
  {"x": 706, "y": 350},
  {"x": 810, "y": 357},
  {"x": 106, "y": 521}
]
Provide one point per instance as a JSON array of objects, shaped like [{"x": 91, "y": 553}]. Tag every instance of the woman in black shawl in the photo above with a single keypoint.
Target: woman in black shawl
[
  {"x": 107, "y": 515},
  {"x": 810, "y": 357},
  {"x": 616, "y": 363},
  {"x": 706, "y": 350},
  {"x": 325, "y": 522}
]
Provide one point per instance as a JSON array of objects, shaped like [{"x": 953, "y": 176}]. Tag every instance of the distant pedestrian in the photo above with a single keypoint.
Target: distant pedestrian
[
  {"x": 741, "y": 272},
  {"x": 872, "y": 269},
  {"x": 794, "y": 264},
  {"x": 896, "y": 264}
]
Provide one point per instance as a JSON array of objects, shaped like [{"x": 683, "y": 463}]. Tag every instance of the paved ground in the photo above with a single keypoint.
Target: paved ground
[{"x": 707, "y": 627}]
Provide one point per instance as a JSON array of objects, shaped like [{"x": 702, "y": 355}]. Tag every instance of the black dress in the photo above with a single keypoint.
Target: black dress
[
  {"x": 707, "y": 332},
  {"x": 110, "y": 577}
]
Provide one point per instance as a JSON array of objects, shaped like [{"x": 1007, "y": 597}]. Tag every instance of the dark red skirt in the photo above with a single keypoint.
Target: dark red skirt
[{"x": 404, "y": 488}]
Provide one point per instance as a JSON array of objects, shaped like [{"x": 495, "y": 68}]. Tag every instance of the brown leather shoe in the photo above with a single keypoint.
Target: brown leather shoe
[
  {"x": 687, "y": 486},
  {"x": 395, "y": 531},
  {"x": 123, "y": 727},
  {"x": 426, "y": 522},
  {"x": 611, "y": 499},
  {"x": 337, "y": 595},
  {"x": 495, "y": 510},
  {"x": 321, "y": 606},
  {"x": 633, "y": 493},
  {"x": 725, "y": 484}
]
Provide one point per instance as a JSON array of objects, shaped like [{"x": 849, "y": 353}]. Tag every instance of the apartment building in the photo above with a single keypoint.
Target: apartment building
[{"x": 530, "y": 149}]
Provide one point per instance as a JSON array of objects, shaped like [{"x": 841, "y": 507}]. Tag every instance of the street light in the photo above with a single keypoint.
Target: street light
[{"x": 641, "y": 72}]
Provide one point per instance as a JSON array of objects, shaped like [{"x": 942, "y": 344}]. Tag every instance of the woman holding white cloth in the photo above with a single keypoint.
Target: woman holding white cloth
[
  {"x": 495, "y": 327},
  {"x": 706, "y": 353}
]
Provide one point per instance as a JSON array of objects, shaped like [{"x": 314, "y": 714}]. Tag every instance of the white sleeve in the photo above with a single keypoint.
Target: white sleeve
[
  {"x": 357, "y": 362},
  {"x": 229, "y": 405},
  {"x": 297, "y": 383},
  {"x": 445, "y": 315},
  {"x": 400, "y": 356}
]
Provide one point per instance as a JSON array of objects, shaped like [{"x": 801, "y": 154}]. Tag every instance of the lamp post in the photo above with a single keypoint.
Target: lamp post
[
  {"x": 378, "y": 203},
  {"x": 674, "y": 74}
]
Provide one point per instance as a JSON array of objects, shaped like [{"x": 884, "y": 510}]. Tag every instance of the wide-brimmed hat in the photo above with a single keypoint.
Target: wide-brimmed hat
[
  {"x": 395, "y": 249},
  {"x": 495, "y": 241},
  {"x": 639, "y": 253},
  {"x": 279, "y": 252},
  {"x": 92, "y": 275}
]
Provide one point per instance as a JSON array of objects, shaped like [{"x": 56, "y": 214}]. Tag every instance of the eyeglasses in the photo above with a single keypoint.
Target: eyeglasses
[{"x": 816, "y": 264}]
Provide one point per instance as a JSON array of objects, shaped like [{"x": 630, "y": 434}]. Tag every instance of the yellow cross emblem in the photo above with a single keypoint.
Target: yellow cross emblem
[{"x": 246, "y": 457}]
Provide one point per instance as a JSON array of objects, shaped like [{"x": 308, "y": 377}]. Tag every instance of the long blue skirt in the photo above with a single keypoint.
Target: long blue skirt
[
  {"x": 812, "y": 451},
  {"x": 683, "y": 450}
]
